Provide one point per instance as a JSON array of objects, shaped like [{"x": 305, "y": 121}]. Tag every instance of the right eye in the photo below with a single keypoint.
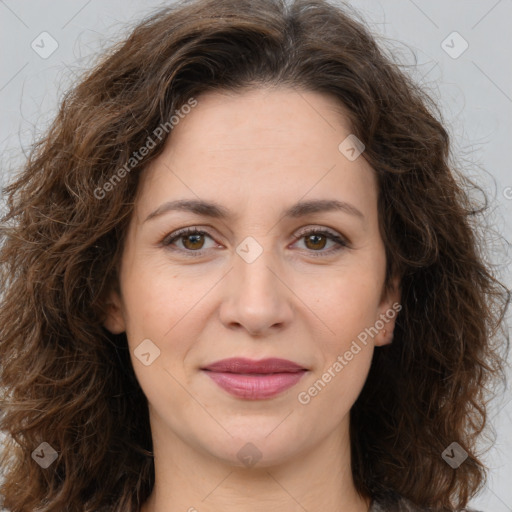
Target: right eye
[{"x": 191, "y": 239}]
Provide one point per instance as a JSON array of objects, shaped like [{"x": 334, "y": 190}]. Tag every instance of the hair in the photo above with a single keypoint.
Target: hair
[{"x": 69, "y": 382}]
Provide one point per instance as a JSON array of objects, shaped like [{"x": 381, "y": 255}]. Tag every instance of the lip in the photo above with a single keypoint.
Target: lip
[
  {"x": 244, "y": 365},
  {"x": 255, "y": 380}
]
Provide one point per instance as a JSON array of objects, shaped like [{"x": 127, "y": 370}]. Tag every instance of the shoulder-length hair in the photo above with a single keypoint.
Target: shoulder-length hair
[{"x": 68, "y": 382}]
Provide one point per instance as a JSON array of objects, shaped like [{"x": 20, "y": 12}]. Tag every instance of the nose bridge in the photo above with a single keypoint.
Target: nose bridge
[
  {"x": 256, "y": 297},
  {"x": 255, "y": 259}
]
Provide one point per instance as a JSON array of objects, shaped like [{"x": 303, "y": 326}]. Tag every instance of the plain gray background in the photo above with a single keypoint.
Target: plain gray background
[{"x": 473, "y": 88}]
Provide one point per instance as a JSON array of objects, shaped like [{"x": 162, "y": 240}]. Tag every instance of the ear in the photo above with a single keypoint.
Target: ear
[
  {"x": 389, "y": 309},
  {"x": 114, "y": 318}
]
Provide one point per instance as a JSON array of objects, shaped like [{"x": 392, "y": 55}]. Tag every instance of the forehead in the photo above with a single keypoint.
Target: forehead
[
  {"x": 260, "y": 121},
  {"x": 259, "y": 145}
]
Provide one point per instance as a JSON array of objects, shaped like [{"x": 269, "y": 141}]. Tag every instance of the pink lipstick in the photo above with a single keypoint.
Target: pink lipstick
[{"x": 255, "y": 380}]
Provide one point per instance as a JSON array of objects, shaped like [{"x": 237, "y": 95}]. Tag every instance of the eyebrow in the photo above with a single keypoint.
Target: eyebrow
[{"x": 217, "y": 211}]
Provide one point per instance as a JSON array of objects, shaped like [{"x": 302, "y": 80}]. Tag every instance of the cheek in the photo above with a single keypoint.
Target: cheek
[
  {"x": 338, "y": 380},
  {"x": 169, "y": 309},
  {"x": 348, "y": 304},
  {"x": 348, "y": 299},
  {"x": 160, "y": 309},
  {"x": 345, "y": 351},
  {"x": 156, "y": 298}
]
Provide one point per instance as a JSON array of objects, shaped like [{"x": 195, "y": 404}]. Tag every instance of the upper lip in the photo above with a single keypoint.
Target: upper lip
[{"x": 244, "y": 365}]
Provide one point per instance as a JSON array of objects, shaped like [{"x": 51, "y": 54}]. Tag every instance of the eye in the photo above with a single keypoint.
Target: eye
[
  {"x": 316, "y": 240},
  {"x": 192, "y": 241}
]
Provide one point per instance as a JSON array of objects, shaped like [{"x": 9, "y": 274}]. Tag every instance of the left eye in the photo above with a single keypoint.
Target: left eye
[
  {"x": 318, "y": 238},
  {"x": 192, "y": 240}
]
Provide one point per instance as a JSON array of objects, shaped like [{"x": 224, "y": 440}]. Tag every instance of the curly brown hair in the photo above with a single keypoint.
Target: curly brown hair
[{"x": 69, "y": 382}]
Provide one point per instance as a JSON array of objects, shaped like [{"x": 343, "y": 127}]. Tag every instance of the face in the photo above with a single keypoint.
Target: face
[{"x": 257, "y": 277}]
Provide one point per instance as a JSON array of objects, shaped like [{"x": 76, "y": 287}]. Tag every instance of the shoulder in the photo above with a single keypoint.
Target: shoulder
[{"x": 401, "y": 504}]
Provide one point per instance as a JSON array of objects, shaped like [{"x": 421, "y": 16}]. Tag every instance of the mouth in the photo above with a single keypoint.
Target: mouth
[{"x": 255, "y": 380}]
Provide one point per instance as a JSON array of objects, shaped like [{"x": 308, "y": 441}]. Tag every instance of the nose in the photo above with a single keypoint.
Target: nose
[{"x": 256, "y": 297}]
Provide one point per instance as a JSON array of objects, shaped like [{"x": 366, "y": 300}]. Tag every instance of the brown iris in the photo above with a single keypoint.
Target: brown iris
[
  {"x": 314, "y": 238},
  {"x": 193, "y": 239}
]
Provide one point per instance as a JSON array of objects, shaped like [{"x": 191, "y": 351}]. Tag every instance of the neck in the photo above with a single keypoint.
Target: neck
[{"x": 192, "y": 480}]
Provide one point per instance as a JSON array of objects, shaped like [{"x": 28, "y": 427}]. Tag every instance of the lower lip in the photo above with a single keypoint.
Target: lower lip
[{"x": 255, "y": 387}]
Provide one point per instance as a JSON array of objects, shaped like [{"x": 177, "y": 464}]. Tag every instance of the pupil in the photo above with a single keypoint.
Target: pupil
[
  {"x": 193, "y": 239},
  {"x": 313, "y": 237}
]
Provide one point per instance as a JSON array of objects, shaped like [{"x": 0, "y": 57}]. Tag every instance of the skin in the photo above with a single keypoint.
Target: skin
[{"x": 255, "y": 152}]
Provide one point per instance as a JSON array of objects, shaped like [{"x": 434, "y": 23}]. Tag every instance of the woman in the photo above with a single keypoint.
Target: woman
[{"x": 240, "y": 274}]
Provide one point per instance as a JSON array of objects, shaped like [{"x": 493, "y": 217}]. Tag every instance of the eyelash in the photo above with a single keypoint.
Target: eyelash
[{"x": 341, "y": 243}]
